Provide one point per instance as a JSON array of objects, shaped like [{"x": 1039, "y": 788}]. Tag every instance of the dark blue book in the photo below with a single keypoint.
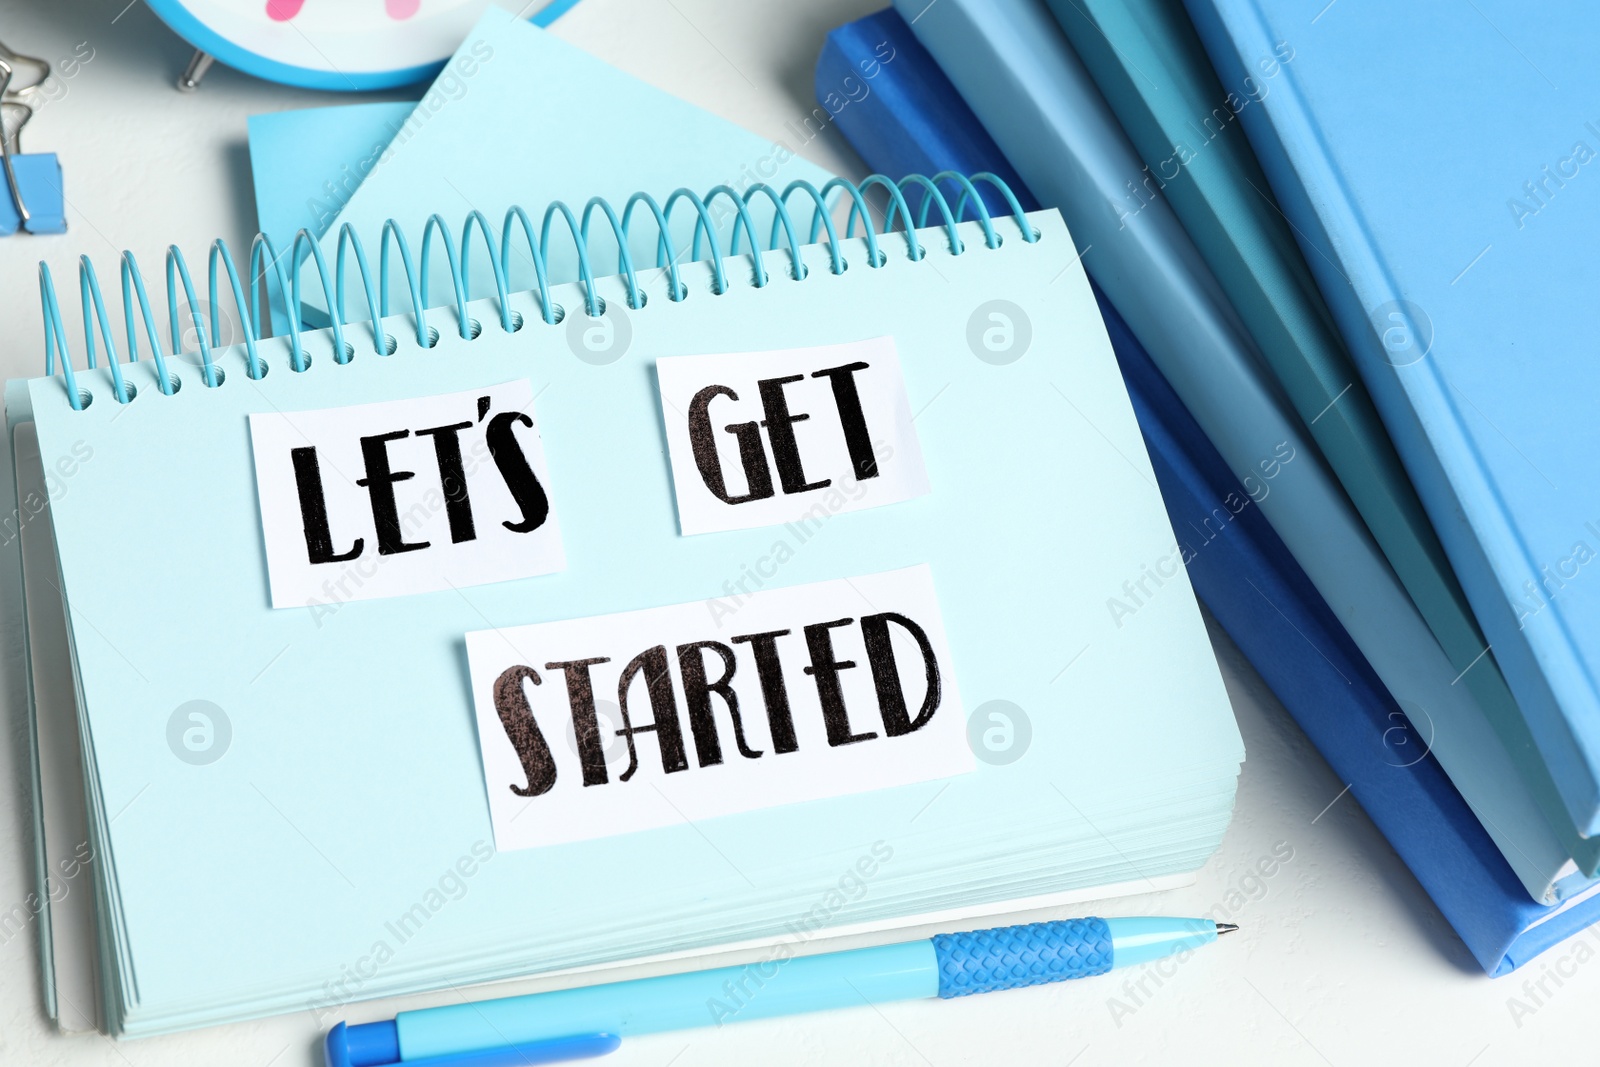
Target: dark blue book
[
  {"x": 905, "y": 124},
  {"x": 914, "y": 121}
]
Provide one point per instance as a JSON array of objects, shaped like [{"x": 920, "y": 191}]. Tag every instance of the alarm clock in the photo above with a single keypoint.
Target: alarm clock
[{"x": 350, "y": 45}]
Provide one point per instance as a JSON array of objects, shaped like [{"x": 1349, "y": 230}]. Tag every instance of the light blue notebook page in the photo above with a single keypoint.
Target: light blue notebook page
[
  {"x": 1057, "y": 131},
  {"x": 1467, "y": 301},
  {"x": 540, "y": 120},
  {"x": 16, "y": 691},
  {"x": 354, "y": 776}
]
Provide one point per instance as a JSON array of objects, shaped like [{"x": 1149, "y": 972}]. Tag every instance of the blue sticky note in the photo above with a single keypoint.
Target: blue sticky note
[
  {"x": 491, "y": 133},
  {"x": 39, "y": 180},
  {"x": 308, "y": 163}
]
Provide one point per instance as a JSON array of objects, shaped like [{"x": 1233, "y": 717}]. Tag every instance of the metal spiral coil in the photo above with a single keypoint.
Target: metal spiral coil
[{"x": 267, "y": 268}]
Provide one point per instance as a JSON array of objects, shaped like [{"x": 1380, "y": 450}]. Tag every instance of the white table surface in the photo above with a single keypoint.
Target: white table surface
[{"x": 1342, "y": 959}]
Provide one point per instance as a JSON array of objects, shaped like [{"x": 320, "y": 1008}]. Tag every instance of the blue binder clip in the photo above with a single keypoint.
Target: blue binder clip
[{"x": 34, "y": 201}]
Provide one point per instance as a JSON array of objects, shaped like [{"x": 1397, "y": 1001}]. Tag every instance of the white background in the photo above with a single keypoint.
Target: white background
[{"x": 1342, "y": 959}]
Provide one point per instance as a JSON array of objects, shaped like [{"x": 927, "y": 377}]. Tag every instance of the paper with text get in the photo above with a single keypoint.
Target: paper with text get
[{"x": 796, "y": 435}]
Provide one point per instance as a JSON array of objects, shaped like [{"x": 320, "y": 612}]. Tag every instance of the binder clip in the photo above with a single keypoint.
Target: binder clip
[{"x": 33, "y": 200}]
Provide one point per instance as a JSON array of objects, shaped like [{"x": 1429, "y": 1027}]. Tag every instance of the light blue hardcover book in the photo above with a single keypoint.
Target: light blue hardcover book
[
  {"x": 1015, "y": 68},
  {"x": 1153, "y": 71},
  {"x": 1461, "y": 273},
  {"x": 455, "y": 755}
]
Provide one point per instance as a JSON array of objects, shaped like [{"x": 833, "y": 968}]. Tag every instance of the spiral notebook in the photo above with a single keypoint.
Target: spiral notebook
[{"x": 729, "y": 601}]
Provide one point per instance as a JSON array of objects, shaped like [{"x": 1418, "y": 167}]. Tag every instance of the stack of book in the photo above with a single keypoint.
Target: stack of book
[{"x": 1346, "y": 376}]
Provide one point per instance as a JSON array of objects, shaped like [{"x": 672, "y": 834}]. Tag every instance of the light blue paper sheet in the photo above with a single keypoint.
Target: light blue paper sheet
[{"x": 539, "y": 120}]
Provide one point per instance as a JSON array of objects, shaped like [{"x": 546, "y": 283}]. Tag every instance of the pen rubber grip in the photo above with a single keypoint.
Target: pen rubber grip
[{"x": 1010, "y": 957}]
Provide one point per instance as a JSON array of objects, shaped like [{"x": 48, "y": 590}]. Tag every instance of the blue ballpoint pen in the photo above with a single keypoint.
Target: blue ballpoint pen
[{"x": 591, "y": 1021}]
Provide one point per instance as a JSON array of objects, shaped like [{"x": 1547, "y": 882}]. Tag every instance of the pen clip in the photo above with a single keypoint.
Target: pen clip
[{"x": 554, "y": 1050}]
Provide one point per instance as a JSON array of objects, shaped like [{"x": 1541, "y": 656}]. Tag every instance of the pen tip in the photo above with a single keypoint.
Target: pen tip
[{"x": 1226, "y": 928}]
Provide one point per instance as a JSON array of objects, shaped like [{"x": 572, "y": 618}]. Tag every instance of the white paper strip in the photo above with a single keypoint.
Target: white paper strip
[
  {"x": 765, "y": 438},
  {"x": 406, "y": 496},
  {"x": 616, "y": 723}
]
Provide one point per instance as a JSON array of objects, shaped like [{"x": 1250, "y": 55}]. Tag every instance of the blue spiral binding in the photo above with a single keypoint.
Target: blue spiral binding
[{"x": 267, "y": 269}]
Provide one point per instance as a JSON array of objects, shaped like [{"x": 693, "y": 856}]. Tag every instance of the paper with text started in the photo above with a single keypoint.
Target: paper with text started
[{"x": 616, "y": 723}]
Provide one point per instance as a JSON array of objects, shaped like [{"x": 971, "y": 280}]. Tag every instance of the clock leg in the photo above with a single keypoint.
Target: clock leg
[{"x": 190, "y": 80}]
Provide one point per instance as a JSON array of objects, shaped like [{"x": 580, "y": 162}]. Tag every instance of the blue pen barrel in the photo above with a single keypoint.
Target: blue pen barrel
[
  {"x": 678, "y": 1002},
  {"x": 1145, "y": 938},
  {"x": 948, "y": 965}
]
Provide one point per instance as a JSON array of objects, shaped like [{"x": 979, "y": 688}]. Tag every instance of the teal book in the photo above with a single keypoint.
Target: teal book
[{"x": 1152, "y": 69}]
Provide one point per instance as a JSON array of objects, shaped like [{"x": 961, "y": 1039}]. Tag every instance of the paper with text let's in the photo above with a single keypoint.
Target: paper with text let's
[
  {"x": 404, "y": 496},
  {"x": 616, "y": 723},
  {"x": 796, "y": 435}
]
